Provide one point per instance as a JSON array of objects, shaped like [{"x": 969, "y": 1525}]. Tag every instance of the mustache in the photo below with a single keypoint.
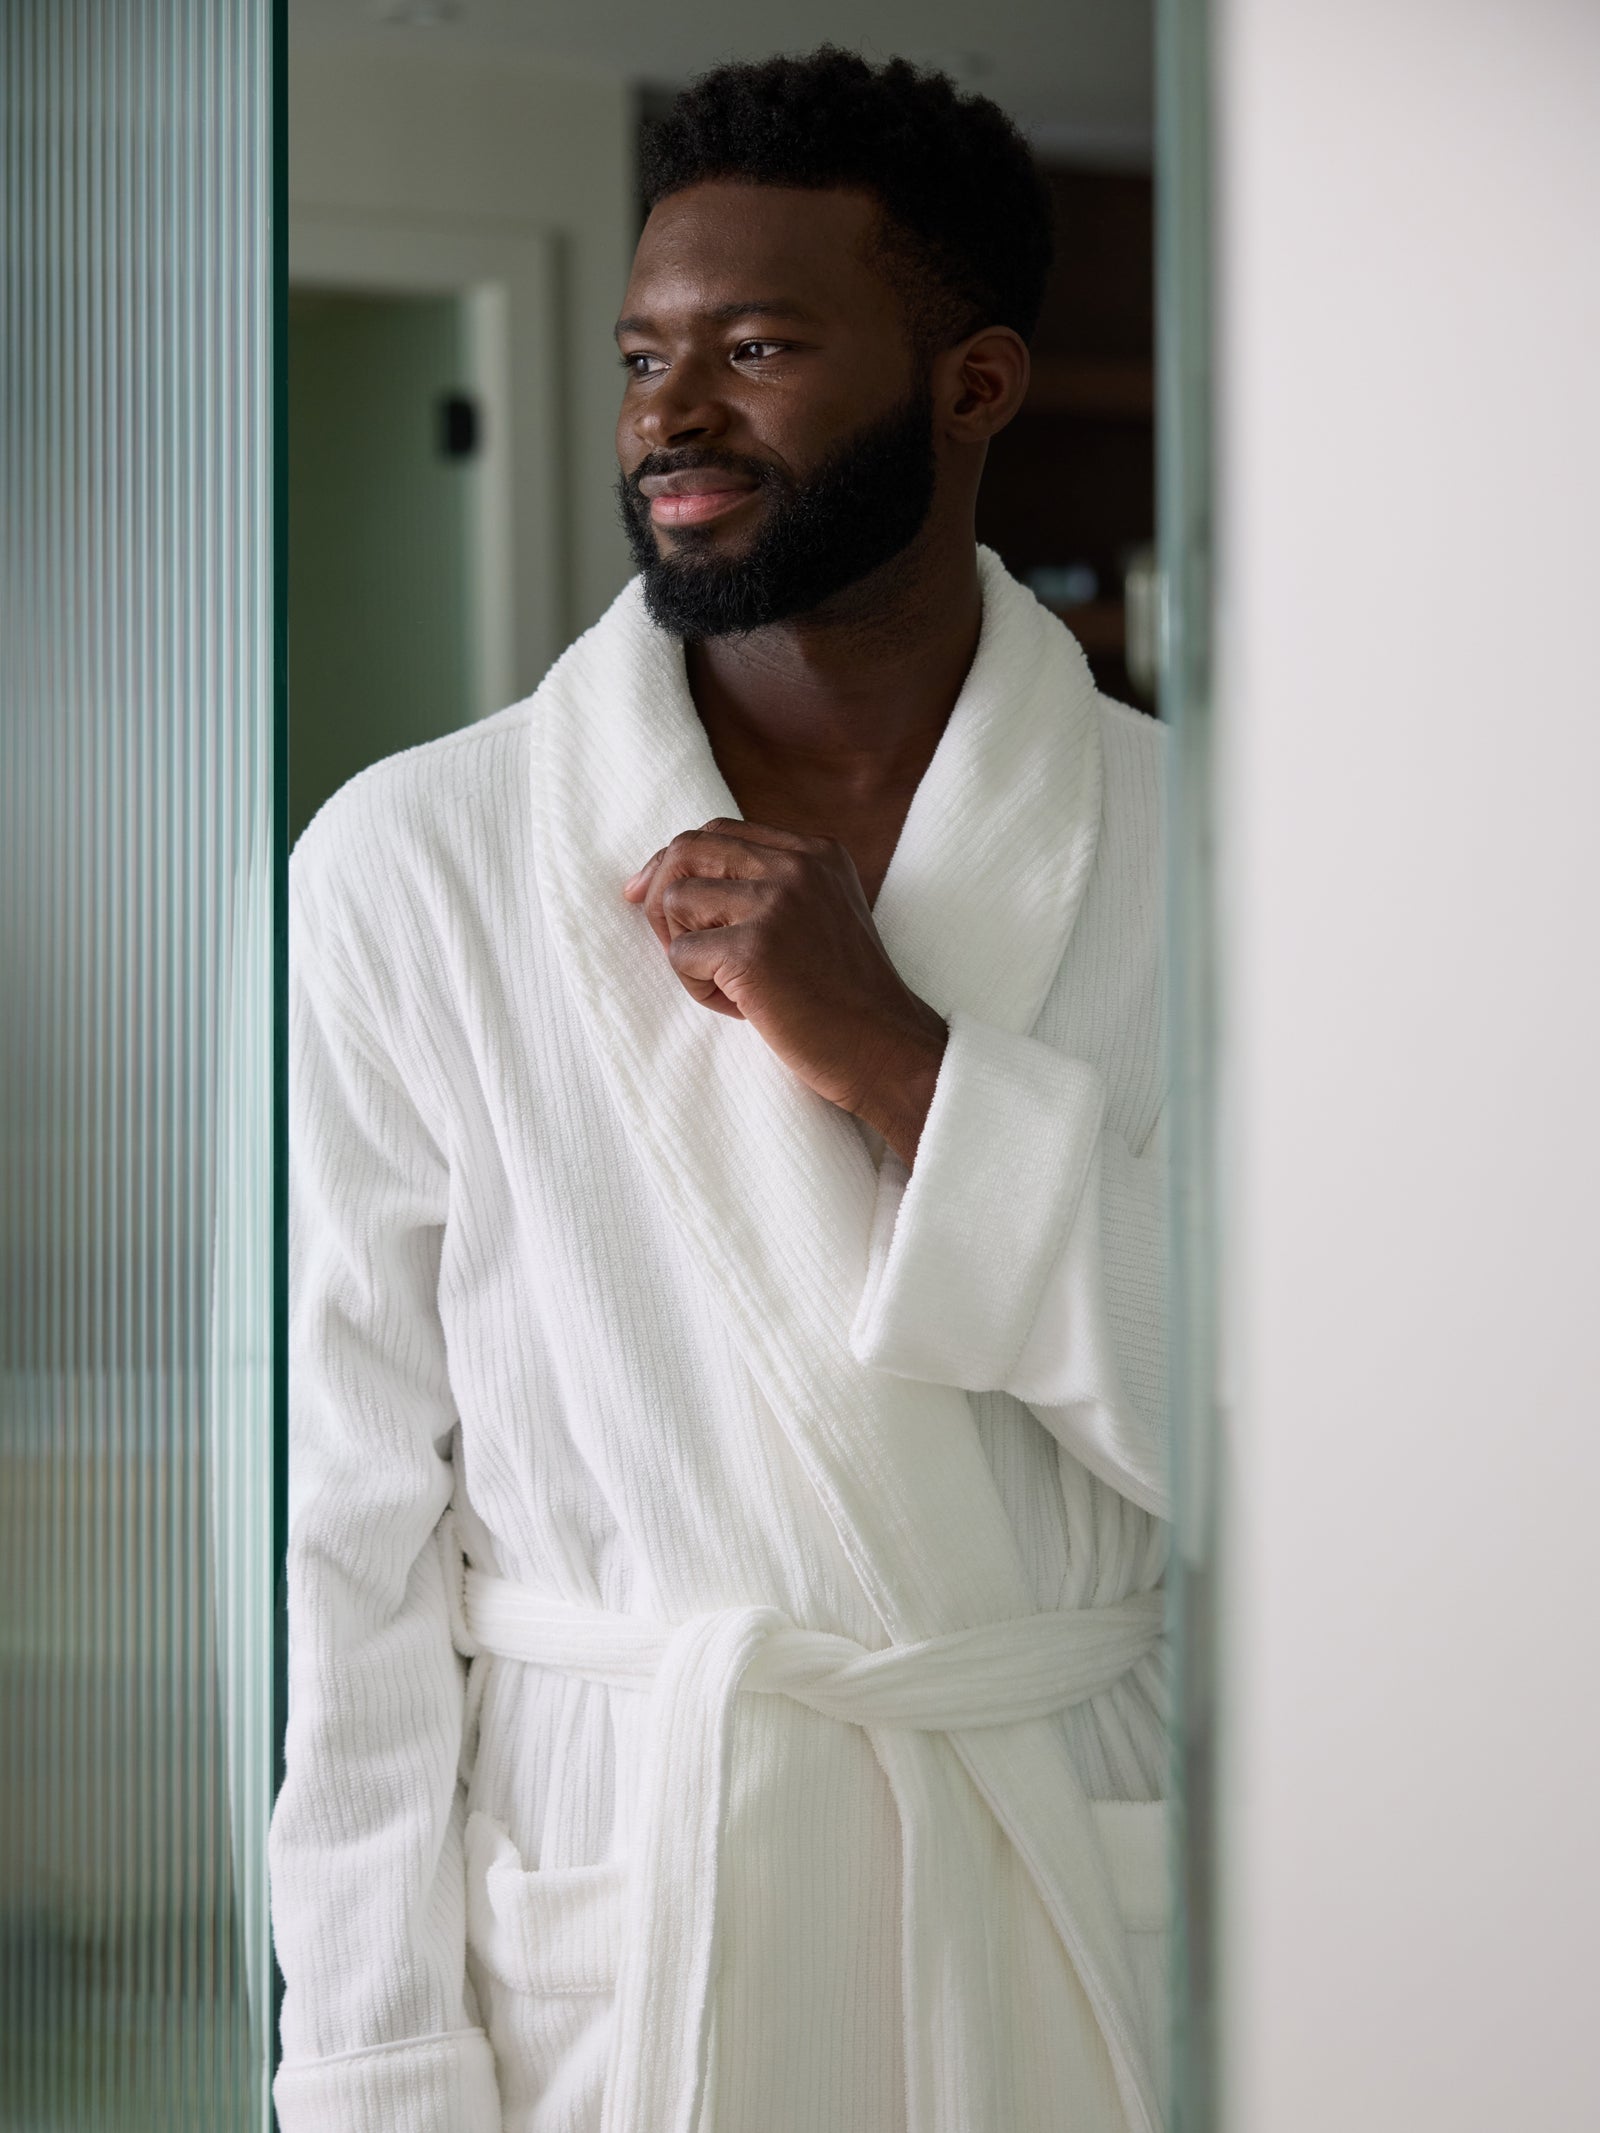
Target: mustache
[{"x": 696, "y": 459}]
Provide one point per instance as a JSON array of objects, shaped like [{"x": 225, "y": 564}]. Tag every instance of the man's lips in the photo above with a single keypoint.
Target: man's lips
[{"x": 694, "y": 497}]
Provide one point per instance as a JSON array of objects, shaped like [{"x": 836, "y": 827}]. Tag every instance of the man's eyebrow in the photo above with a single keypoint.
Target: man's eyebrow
[{"x": 726, "y": 314}]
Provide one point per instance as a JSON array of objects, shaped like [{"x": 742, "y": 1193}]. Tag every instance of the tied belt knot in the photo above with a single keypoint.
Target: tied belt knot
[{"x": 998, "y": 1674}]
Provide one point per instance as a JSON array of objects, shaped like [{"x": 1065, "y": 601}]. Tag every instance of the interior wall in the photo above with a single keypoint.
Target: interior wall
[
  {"x": 499, "y": 140},
  {"x": 1409, "y": 778}
]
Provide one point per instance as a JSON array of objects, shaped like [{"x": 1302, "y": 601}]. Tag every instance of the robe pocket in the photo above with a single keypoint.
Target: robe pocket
[
  {"x": 546, "y": 1930},
  {"x": 543, "y": 1948}
]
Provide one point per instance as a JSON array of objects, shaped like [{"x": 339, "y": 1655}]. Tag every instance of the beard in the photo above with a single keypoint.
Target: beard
[{"x": 864, "y": 505}]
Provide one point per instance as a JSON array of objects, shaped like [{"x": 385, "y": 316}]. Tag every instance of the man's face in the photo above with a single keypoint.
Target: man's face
[{"x": 776, "y": 435}]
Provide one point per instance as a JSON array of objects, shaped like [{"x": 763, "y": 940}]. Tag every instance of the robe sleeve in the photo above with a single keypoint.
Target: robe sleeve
[
  {"x": 1026, "y": 1253},
  {"x": 366, "y": 1840}
]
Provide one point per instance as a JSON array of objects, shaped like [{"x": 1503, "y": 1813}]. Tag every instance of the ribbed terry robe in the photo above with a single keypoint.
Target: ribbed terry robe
[{"x": 726, "y": 1687}]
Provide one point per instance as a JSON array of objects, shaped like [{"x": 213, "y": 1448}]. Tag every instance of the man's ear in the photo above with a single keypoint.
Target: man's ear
[{"x": 983, "y": 382}]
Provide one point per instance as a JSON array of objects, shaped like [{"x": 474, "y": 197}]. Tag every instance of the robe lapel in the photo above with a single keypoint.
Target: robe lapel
[
  {"x": 979, "y": 902},
  {"x": 774, "y": 1189}
]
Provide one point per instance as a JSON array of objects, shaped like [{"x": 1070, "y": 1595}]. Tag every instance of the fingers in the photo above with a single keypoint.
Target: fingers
[
  {"x": 727, "y": 832},
  {"x": 709, "y": 856},
  {"x": 696, "y": 852},
  {"x": 760, "y": 833},
  {"x": 690, "y": 905},
  {"x": 708, "y": 962}
]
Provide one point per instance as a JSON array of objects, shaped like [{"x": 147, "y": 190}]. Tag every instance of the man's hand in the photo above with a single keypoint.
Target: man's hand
[{"x": 774, "y": 928}]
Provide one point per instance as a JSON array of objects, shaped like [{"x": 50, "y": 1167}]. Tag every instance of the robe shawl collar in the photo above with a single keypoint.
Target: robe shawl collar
[{"x": 773, "y": 1189}]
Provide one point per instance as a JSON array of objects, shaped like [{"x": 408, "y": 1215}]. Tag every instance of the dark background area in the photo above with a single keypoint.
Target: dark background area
[{"x": 1069, "y": 493}]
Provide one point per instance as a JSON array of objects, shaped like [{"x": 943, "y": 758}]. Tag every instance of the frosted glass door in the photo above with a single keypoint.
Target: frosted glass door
[{"x": 138, "y": 864}]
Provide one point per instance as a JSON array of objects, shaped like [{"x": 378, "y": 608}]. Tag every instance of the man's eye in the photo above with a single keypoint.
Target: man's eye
[
  {"x": 760, "y": 350},
  {"x": 639, "y": 364}
]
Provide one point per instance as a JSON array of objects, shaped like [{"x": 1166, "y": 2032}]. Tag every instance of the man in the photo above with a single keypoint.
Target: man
[{"x": 728, "y": 1253}]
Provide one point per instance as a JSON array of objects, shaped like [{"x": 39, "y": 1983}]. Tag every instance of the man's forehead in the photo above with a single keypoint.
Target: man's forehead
[{"x": 720, "y": 252}]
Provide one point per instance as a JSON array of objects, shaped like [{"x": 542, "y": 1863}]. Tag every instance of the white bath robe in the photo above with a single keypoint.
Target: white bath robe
[{"x": 726, "y": 1685}]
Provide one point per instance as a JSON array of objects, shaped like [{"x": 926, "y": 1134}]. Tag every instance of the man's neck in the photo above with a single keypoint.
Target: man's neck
[{"x": 826, "y": 724}]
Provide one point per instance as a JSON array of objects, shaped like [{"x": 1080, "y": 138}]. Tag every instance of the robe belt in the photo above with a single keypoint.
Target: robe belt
[{"x": 998, "y": 1674}]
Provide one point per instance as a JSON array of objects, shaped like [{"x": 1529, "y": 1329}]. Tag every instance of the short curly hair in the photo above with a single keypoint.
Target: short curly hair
[{"x": 966, "y": 233}]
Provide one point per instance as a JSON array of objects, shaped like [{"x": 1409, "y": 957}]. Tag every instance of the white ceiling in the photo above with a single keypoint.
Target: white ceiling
[{"x": 1076, "y": 73}]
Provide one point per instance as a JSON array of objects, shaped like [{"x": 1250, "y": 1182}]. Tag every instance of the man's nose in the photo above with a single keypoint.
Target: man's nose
[{"x": 683, "y": 408}]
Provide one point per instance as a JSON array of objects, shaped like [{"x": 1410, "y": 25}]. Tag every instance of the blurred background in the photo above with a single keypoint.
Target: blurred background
[{"x": 463, "y": 210}]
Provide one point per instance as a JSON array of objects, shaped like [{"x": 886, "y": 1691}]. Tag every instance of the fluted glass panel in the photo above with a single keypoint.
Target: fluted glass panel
[{"x": 137, "y": 871}]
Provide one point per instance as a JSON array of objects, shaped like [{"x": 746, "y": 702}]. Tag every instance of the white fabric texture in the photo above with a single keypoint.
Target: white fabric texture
[{"x": 737, "y": 1424}]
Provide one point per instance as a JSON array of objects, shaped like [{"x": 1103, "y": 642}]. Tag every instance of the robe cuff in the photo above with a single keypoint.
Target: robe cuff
[
  {"x": 438, "y": 2084},
  {"x": 960, "y": 1251}
]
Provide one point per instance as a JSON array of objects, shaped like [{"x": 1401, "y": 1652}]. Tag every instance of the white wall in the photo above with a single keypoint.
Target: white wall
[
  {"x": 1080, "y": 66},
  {"x": 1409, "y": 793},
  {"x": 506, "y": 142}
]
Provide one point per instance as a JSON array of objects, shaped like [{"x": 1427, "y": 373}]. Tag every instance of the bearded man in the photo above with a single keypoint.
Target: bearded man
[{"x": 726, "y": 1684}]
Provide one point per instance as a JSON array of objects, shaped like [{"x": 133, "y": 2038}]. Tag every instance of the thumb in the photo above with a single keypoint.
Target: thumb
[{"x": 637, "y": 885}]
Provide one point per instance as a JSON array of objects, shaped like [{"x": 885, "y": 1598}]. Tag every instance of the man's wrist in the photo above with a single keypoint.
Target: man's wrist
[{"x": 897, "y": 1104}]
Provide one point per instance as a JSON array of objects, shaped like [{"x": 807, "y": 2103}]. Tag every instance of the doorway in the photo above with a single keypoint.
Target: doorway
[{"x": 385, "y": 448}]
